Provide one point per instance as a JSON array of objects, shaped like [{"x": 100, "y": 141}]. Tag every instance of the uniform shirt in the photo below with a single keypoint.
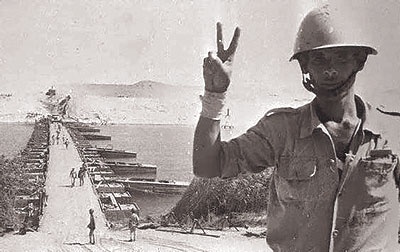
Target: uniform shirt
[
  {"x": 133, "y": 221},
  {"x": 91, "y": 224},
  {"x": 313, "y": 206}
]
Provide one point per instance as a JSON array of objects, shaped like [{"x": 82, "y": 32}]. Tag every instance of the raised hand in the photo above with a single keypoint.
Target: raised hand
[{"x": 217, "y": 67}]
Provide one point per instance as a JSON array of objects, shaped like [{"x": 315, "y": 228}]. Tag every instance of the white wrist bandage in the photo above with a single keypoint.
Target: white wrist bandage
[{"x": 213, "y": 104}]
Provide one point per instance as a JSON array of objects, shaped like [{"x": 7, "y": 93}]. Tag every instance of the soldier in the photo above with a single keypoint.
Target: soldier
[
  {"x": 133, "y": 223},
  {"x": 91, "y": 226},
  {"x": 81, "y": 175},
  {"x": 195, "y": 223},
  {"x": 335, "y": 175},
  {"x": 73, "y": 176}
]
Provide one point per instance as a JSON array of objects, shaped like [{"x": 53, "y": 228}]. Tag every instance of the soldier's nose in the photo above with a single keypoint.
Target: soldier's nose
[{"x": 330, "y": 73}]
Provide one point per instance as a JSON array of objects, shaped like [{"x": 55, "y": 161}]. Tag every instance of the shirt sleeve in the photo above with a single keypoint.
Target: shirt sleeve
[{"x": 255, "y": 150}]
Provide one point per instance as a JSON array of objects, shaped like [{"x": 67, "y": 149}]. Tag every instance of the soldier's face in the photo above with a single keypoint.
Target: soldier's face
[{"x": 330, "y": 68}]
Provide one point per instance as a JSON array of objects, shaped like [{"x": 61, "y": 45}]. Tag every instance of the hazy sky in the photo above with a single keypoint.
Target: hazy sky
[{"x": 44, "y": 43}]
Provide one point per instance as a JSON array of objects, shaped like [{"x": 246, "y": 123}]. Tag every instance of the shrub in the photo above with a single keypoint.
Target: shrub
[
  {"x": 249, "y": 193},
  {"x": 12, "y": 183}
]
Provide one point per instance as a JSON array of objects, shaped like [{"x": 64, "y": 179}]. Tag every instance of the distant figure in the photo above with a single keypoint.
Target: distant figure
[
  {"x": 53, "y": 139},
  {"x": 73, "y": 176},
  {"x": 81, "y": 175},
  {"x": 66, "y": 142},
  {"x": 91, "y": 226},
  {"x": 42, "y": 199},
  {"x": 228, "y": 220},
  {"x": 133, "y": 223},
  {"x": 195, "y": 223}
]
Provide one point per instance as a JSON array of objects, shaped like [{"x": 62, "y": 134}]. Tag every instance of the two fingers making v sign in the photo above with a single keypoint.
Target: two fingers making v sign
[{"x": 217, "y": 67}]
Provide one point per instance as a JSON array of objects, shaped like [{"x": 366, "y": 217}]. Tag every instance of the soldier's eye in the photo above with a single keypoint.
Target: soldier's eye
[{"x": 318, "y": 60}]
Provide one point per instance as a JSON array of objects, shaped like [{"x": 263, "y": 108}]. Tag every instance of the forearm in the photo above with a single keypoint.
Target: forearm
[
  {"x": 217, "y": 69},
  {"x": 206, "y": 148},
  {"x": 206, "y": 144}
]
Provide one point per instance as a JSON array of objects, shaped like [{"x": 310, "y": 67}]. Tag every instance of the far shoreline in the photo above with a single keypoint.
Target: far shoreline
[{"x": 108, "y": 124}]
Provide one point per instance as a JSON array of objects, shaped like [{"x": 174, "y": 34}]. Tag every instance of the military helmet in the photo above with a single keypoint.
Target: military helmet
[{"x": 324, "y": 28}]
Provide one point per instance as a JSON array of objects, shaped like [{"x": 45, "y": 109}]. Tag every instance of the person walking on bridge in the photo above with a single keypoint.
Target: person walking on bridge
[
  {"x": 91, "y": 226},
  {"x": 133, "y": 223},
  {"x": 81, "y": 175},
  {"x": 335, "y": 180},
  {"x": 66, "y": 142},
  {"x": 73, "y": 176}
]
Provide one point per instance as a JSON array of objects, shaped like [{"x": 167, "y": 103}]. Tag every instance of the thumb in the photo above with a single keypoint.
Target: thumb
[{"x": 215, "y": 61}]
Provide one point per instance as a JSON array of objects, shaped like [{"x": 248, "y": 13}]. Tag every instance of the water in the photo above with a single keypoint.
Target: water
[
  {"x": 14, "y": 137},
  {"x": 155, "y": 204},
  {"x": 167, "y": 146}
]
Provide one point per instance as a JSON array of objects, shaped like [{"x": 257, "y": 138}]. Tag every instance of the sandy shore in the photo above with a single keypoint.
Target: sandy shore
[{"x": 147, "y": 240}]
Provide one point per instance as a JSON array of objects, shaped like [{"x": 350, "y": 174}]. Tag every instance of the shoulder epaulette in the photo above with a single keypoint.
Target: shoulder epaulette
[{"x": 281, "y": 110}]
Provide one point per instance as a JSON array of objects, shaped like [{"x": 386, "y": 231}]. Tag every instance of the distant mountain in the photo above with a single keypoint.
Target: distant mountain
[
  {"x": 146, "y": 102},
  {"x": 142, "y": 89}
]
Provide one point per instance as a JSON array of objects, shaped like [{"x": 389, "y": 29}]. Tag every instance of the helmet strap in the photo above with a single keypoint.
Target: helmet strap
[{"x": 307, "y": 83}]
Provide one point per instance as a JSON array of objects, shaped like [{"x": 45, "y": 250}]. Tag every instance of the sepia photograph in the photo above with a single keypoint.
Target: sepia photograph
[{"x": 182, "y": 125}]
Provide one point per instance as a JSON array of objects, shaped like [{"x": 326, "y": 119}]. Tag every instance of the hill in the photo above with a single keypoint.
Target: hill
[
  {"x": 142, "y": 89},
  {"x": 145, "y": 102}
]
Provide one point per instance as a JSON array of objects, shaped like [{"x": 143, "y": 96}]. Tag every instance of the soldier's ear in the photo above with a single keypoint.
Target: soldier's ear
[
  {"x": 303, "y": 63},
  {"x": 361, "y": 65},
  {"x": 361, "y": 58}
]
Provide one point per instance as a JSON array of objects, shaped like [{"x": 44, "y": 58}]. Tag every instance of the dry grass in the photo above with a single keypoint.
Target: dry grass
[{"x": 244, "y": 200}]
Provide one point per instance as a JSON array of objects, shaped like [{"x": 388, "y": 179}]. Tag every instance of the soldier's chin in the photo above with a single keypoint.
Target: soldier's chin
[{"x": 334, "y": 91}]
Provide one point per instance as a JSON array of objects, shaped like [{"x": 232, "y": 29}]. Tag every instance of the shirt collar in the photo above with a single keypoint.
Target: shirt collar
[{"x": 367, "y": 114}]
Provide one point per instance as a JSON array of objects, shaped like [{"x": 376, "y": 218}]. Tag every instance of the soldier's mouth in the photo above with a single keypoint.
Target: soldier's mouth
[{"x": 332, "y": 85}]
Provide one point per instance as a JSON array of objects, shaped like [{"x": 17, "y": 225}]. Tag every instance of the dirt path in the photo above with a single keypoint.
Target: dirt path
[{"x": 63, "y": 226}]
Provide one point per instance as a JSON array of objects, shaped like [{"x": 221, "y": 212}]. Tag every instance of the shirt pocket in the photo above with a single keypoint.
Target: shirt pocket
[
  {"x": 294, "y": 178},
  {"x": 378, "y": 172}
]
